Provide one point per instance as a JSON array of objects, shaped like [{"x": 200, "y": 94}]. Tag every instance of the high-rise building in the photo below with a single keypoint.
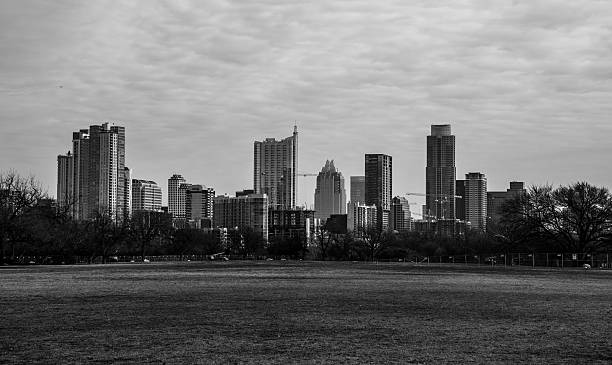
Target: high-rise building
[
  {"x": 497, "y": 199},
  {"x": 182, "y": 200},
  {"x": 275, "y": 170},
  {"x": 361, "y": 217},
  {"x": 440, "y": 174},
  {"x": 174, "y": 200},
  {"x": 247, "y": 211},
  {"x": 330, "y": 196},
  {"x": 80, "y": 185},
  {"x": 400, "y": 217},
  {"x": 65, "y": 177},
  {"x": 378, "y": 187},
  {"x": 146, "y": 196},
  {"x": 460, "y": 202},
  {"x": 475, "y": 200},
  {"x": 106, "y": 171},
  {"x": 358, "y": 189},
  {"x": 127, "y": 193},
  {"x": 99, "y": 172},
  {"x": 199, "y": 204}
]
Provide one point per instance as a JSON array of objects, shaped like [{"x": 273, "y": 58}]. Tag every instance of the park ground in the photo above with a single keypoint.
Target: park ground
[{"x": 305, "y": 312}]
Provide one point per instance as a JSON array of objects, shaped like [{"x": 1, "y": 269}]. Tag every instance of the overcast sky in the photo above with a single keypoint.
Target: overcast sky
[{"x": 526, "y": 85}]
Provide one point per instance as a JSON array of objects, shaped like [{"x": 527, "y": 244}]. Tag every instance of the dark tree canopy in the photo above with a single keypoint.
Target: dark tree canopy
[{"x": 572, "y": 218}]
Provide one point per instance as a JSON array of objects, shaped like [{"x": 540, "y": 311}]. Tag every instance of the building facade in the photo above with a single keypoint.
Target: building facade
[
  {"x": 65, "y": 178},
  {"x": 146, "y": 196},
  {"x": 460, "y": 202},
  {"x": 248, "y": 211},
  {"x": 357, "y": 189},
  {"x": 275, "y": 165},
  {"x": 127, "y": 193},
  {"x": 475, "y": 200},
  {"x": 497, "y": 199},
  {"x": 176, "y": 205},
  {"x": 292, "y": 224},
  {"x": 199, "y": 201},
  {"x": 400, "y": 217},
  {"x": 361, "y": 217},
  {"x": 330, "y": 196},
  {"x": 440, "y": 173},
  {"x": 378, "y": 186},
  {"x": 98, "y": 172}
]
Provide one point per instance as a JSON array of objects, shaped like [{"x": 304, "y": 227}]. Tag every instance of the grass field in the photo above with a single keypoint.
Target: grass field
[{"x": 313, "y": 312}]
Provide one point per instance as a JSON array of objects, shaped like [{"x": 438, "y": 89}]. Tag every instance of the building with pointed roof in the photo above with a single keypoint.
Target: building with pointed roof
[{"x": 330, "y": 195}]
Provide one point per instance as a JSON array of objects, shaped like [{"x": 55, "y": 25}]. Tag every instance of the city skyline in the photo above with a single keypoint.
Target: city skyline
[{"x": 530, "y": 108}]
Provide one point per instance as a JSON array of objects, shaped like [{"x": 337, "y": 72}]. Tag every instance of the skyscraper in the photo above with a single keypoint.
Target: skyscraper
[
  {"x": 99, "y": 172},
  {"x": 400, "y": 217},
  {"x": 106, "y": 171},
  {"x": 440, "y": 173},
  {"x": 80, "y": 185},
  {"x": 174, "y": 201},
  {"x": 127, "y": 193},
  {"x": 65, "y": 177},
  {"x": 378, "y": 187},
  {"x": 475, "y": 200},
  {"x": 329, "y": 197},
  {"x": 460, "y": 202},
  {"x": 146, "y": 196},
  {"x": 358, "y": 189},
  {"x": 275, "y": 170}
]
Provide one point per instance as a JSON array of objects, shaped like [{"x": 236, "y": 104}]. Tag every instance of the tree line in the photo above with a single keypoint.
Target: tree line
[
  {"x": 567, "y": 219},
  {"x": 575, "y": 218}
]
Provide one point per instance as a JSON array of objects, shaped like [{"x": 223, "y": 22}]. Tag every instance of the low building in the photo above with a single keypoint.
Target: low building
[
  {"x": 361, "y": 217},
  {"x": 246, "y": 211},
  {"x": 337, "y": 224},
  {"x": 146, "y": 195},
  {"x": 293, "y": 223},
  {"x": 199, "y": 206},
  {"x": 496, "y": 200}
]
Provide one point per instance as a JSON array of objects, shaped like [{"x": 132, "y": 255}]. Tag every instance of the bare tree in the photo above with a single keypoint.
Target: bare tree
[
  {"x": 146, "y": 226},
  {"x": 576, "y": 218},
  {"x": 324, "y": 241},
  {"x": 18, "y": 195},
  {"x": 104, "y": 236},
  {"x": 372, "y": 237}
]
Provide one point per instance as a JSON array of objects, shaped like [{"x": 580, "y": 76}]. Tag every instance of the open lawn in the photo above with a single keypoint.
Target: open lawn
[{"x": 313, "y": 312}]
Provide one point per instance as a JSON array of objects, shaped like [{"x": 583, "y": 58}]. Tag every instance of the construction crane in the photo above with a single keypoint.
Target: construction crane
[
  {"x": 423, "y": 216},
  {"x": 441, "y": 198},
  {"x": 301, "y": 174},
  {"x": 442, "y": 195}
]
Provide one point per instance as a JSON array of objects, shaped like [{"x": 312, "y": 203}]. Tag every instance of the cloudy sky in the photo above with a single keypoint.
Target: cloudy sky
[{"x": 526, "y": 85}]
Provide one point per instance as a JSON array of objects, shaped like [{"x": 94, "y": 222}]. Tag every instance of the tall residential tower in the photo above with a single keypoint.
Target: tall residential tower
[
  {"x": 475, "y": 201},
  {"x": 275, "y": 165},
  {"x": 176, "y": 205},
  {"x": 65, "y": 177},
  {"x": 378, "y": 172},
  {"x": 99, "y": 172},
  {"x": 440, "y": 173}
]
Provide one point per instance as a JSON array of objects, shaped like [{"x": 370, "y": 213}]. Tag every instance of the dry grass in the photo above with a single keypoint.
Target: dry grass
[{"x": 279, "y": 312}]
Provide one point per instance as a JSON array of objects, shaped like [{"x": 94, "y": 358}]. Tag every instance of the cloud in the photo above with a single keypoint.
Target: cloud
[{"x": 195, "y": 83}]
